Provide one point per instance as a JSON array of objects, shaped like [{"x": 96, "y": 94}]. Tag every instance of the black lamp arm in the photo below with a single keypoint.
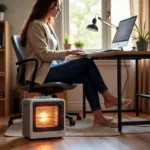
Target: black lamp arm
[{"x": 109, "y": 24}]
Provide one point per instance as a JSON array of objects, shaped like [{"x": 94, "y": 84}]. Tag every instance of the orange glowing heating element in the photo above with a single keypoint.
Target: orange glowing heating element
[{"x": 46, "y": 116}]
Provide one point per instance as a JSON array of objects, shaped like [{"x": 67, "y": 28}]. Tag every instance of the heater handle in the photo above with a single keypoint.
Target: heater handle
[{"x": 35, "y": 69}]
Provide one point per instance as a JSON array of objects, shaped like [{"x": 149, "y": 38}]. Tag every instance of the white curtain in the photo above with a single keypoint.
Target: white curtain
[{"x": 141, "y": 8}]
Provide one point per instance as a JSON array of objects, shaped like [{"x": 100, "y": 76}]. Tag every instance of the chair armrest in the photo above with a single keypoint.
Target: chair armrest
[
  {"x": 27, "y": 60},
  {"x": 35, "y": 70}
]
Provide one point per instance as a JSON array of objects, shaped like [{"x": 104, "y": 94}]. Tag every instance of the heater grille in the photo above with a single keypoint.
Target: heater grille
[{"x": 47, "y": 116}]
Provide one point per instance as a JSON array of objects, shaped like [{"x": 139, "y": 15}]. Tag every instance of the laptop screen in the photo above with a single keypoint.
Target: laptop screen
[{"x": 123, "y": 32}]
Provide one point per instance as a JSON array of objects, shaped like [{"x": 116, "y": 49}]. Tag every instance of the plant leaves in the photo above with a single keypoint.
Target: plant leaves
[
  {"x": 144, "y": 27},
  {"x": 138, "y": 30},
  {"x": 143, "y": 35},
  {"x": 147, "y": 35},
  {"x": 141, "y": 26}
]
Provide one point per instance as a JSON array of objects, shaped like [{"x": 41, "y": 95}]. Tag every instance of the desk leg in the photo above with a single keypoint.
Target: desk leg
[
  {"x": 137, "y": 88},
  {"x": 119, "y": 94},
  {"x": 84, "y": 102}
]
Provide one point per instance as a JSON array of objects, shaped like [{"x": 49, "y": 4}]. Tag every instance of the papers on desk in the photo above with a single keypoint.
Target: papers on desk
[
  {"x": 87, "y": 53},
  {"x": 82, "y": 53},
  {"x": 98, "y": 54}
]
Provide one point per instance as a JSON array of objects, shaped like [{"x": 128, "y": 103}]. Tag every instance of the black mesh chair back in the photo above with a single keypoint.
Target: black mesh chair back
[
  {"x": 52, "y": 87},
  {"x": 20, "y": 53},
  {"x": 19, "y": 49}
]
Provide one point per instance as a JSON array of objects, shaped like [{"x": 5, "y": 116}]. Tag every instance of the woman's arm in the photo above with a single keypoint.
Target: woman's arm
[{"x": 36, "y": 35}]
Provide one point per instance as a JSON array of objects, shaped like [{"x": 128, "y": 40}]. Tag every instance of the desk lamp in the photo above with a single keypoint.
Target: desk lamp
[
  {"x": 122, "y": 34},
  {"x": 93, "y": 26}
]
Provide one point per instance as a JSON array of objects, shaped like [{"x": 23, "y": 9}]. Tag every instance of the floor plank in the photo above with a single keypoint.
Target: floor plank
[{"x": 124, "y": 141}]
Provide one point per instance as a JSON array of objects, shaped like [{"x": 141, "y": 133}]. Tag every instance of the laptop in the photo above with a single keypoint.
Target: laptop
[{"x": 121, "y": 37}]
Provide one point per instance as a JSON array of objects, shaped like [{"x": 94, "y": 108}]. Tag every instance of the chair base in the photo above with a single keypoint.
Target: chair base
[
  {"x": 74, "y": 114},
  {"x": 10, "y": 122},
  {"x": 70, "y": 118}
]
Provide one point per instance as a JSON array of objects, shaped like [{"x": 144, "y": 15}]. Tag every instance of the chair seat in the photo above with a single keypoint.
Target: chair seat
[{"x": 60, "y": 85}]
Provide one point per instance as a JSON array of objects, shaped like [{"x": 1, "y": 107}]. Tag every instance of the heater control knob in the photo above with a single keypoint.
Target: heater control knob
[{"x": 72, "y": 123}]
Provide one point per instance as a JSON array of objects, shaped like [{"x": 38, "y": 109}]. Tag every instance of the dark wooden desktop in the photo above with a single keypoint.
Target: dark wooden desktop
[{"x": 118, "y": 56}]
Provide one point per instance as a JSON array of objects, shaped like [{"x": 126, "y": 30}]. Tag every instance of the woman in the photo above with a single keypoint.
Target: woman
[{"x": 41, "y": 42}]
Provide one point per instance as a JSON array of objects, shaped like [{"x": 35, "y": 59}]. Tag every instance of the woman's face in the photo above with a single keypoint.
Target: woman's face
[{"x": 54, "y": 9}]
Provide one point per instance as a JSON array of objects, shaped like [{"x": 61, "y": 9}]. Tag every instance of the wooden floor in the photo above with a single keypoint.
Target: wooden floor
[{"x": 123, "y": 142}]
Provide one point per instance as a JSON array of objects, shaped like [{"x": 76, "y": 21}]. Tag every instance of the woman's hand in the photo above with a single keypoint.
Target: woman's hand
[{"x": 73, "y": 51}]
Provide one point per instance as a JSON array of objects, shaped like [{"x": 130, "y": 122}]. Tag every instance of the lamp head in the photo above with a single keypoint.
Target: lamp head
[{"x": 93, "y": 26}]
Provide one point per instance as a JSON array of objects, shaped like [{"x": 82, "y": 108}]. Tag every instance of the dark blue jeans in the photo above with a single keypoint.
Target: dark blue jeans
[{"x": 81, "y": 70}]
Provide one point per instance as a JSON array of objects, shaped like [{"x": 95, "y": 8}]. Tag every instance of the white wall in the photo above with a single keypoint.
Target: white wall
[{"x": 16, "y": 15}]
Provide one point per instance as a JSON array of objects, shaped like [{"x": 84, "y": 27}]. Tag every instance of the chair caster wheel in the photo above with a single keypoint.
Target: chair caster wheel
[
  {"x": 10, "y": 122},
  {"x": 79, "y": 118},
  {"x": 72, "y": 123}
]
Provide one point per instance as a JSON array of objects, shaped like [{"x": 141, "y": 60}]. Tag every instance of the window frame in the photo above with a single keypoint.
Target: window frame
[{"x": 106, "y": 29}]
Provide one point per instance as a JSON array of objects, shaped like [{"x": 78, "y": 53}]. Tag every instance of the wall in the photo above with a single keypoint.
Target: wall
[{"x": 16, "y": 15}]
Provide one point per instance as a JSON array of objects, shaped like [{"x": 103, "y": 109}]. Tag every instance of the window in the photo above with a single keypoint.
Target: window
[
  {"x": 120, "y": 10},
  {"x": 79, "y": 13}
]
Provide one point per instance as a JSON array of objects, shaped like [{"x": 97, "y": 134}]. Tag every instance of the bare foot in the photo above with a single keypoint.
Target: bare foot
[
  {"x": 110, "y": 100},
  {"x": 114, "y": 101},
  {"x": 101, "y": 121},
  {"x": 109, "y": 118}
]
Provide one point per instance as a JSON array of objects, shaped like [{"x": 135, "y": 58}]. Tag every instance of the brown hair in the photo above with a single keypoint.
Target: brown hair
[{"x": 39, "y": 11}]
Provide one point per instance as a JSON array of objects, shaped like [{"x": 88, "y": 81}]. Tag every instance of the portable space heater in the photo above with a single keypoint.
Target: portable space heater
[{"x": 43, "y": 117}]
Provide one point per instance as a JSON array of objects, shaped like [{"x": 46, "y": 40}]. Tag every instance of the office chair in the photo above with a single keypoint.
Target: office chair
[{"x": 50, "y": 88}]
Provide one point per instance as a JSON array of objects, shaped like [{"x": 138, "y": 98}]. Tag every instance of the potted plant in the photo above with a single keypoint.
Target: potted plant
[
  {"x": 142, "y": 37},
  {"x": 16, "y": 99},
  {"x": 79, "y": 44},
  {"x": 67, "y": 45},
  {"x": 3, "y": 8}
]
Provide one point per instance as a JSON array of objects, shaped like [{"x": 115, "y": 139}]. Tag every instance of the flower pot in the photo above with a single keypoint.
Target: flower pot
[
  {"x": 142, "y": 45},
  {"x": 67, "y": 46},
  {"x": 1, "y": 15}
]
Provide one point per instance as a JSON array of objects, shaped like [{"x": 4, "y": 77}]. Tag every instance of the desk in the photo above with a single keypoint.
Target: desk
[{"x": 118, "y": 56}]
